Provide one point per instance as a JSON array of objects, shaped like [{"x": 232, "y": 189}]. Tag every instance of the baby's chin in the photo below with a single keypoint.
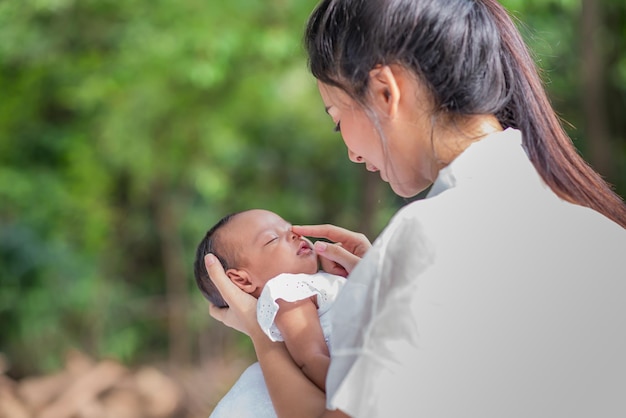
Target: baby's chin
[
  {"x": 310, "y": 265},
  {"x": 313, "y": 266}
]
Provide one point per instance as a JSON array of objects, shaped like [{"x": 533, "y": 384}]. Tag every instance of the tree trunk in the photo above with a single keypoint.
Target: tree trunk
[
  {"x": 593, "y": 95},
  {"x": 177, "y": 296}
]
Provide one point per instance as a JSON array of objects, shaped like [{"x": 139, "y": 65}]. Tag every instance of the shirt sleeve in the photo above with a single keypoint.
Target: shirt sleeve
[{"x": 379, "y": 336}]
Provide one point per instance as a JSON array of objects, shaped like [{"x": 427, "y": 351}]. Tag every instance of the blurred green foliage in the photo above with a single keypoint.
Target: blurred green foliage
[{"x": 128, "y": 128}]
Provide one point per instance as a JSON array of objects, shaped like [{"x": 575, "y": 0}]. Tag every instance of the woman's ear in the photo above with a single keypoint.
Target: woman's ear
[
  {"x": 241, "y": 279},
  {"x": 385, "y": 89}
]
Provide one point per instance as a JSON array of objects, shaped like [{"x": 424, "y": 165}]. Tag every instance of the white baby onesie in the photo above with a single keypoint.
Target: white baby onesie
[{"x": 294, "y": 287}]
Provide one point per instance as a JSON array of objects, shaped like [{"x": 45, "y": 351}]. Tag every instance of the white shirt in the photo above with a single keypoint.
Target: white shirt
[{"x": 490, "y": 298}]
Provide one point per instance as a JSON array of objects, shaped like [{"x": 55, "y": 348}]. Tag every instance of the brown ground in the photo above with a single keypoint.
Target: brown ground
[{"x": 106, "y": 389}]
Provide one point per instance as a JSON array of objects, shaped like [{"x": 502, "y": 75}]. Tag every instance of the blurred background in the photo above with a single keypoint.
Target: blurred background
[{"x": 127, "y": 128}]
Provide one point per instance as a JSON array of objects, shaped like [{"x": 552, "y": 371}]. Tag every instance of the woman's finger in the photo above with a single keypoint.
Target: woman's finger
[
  {"x": 227, "y": 289},
  {"x": 241, "y": 313},
  {"x": 228, "y": 317},
  {"x": 337, "y": 254},
  {"x": 328, "y": 231},
  {"x": 332, "y": 267},
  {"x": 354, "y": 242},
  {"x": 217, "y": 313},
  {"x": 331, "y": 232}
]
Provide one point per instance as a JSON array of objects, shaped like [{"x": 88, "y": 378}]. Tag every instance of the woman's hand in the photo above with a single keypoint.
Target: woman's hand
[
  {"x": 343, "y": 254},
  {"x": 241, "y": 311}
]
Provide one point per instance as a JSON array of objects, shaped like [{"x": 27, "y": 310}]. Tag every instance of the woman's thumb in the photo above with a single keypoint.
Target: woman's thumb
[{"x": 218, "y": 276}]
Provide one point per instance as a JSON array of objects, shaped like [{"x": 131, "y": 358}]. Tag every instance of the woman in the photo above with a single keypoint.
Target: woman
[{"x": 501, "y": 294}]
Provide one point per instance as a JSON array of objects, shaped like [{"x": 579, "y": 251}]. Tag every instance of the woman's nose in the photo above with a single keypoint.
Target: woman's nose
[{"x": 354, "y": 157}]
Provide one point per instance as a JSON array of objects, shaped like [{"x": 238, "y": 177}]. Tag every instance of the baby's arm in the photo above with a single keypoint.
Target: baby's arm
[{"x": 299, "y": 324}]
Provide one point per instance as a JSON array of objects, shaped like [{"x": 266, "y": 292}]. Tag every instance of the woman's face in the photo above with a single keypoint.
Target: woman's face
[
  {"x": 357, "y": 130},
  {"x": 408, "y": 162}
]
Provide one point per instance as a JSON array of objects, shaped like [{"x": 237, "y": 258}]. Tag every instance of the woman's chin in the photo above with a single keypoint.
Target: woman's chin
[{"x": 406, "y": 190}]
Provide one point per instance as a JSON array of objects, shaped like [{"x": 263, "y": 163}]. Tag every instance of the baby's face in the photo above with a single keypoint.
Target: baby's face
[{"x": 267, "y": 246}]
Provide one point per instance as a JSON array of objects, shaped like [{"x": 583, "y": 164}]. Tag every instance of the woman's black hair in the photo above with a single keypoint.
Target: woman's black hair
[
  {"x": 471, "y": 57},
  {"x": 212, "y": 244}
]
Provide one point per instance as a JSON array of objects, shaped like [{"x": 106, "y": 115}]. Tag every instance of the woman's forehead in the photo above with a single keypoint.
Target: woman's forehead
[{"x": 331, "y": 95}]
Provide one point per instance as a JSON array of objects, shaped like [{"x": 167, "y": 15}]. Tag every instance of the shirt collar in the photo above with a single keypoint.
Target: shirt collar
[{"x": 496, "y": 160}]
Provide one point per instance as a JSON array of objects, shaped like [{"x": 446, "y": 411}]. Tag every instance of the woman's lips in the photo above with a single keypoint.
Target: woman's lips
[{"x": 375, "y": 169}]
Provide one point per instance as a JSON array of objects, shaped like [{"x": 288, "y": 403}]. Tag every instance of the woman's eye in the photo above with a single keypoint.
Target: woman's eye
[{"x": 338, "y": 127}]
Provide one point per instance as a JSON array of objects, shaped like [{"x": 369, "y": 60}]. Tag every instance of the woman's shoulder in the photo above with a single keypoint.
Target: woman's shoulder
[
  {"x": 425, "y": 215},
  {"x": 455, "y": 218},
  {"x": 413, "y": 235}
]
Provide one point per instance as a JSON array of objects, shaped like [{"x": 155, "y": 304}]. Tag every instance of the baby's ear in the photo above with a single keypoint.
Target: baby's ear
[{"x": 241, "y": 279}]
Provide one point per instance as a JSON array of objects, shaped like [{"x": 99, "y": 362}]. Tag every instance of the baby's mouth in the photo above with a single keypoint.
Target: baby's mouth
[{"x": 304, "y": 249}]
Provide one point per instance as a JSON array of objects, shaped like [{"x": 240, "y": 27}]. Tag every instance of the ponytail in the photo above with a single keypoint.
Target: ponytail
[{"x": 548, "y": 146}]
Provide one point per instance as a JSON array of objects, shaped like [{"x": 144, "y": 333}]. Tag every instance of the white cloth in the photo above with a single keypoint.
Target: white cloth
[
  {"x": 249, "y": 398},
  {"x": 295, "y": 287},
  {"x": 490, "y": 298}
]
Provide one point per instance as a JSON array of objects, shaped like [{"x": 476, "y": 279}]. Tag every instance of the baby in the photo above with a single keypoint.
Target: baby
[{"x": 265, "y": 258}]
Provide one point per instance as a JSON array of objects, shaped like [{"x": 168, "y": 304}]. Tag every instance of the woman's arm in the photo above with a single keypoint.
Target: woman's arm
[
  {"x": 292, "y": 393},
  {"x": 300, "y": 327}
]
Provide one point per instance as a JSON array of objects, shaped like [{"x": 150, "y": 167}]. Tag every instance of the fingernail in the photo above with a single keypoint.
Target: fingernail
[
  {"x": 209, "y": 259},
  {"x": 320, "y": 246}
]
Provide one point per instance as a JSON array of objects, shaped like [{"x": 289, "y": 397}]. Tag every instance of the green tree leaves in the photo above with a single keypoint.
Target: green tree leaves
[{"x": 128, "y": 128}]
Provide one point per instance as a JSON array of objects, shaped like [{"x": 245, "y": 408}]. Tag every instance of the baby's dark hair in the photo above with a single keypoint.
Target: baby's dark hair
[{"x": 212, "y": 243}]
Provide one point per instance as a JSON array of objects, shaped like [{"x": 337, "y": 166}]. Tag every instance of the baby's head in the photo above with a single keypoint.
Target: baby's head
[{"x": 253, "y": 246}]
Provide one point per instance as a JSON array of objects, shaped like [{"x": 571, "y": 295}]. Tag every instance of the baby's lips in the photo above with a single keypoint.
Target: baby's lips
[{"x": 304, "y": 246}]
